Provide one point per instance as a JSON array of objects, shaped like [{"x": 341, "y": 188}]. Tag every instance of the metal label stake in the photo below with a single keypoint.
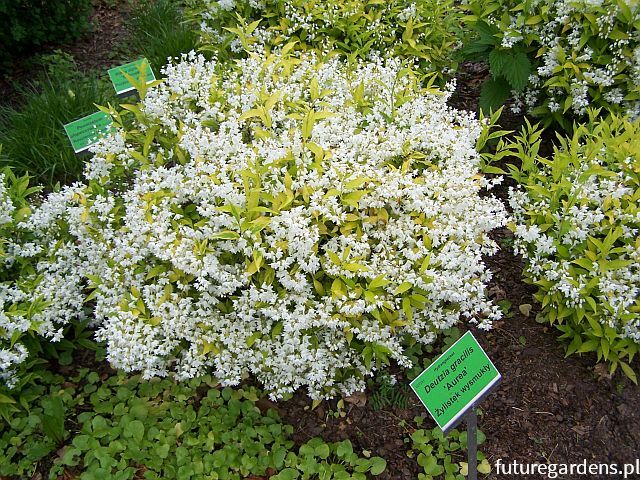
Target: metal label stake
[{"x": 472, "y": 443}]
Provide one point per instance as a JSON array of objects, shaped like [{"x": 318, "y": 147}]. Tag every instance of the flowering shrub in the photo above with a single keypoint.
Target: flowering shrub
[
  {"x": 560, "y": 56},
  {"x": 422, "y": 30},
  {"x": 16, "y": 308},
  {"x": 577, "y": 224},
  {"x": 290, "y": 219}
]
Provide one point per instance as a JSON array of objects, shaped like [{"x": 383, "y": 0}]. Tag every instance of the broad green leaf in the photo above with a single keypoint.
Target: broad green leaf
[
  {"x": 495, "y": 92},
  {"x": 518, "y": 70}
]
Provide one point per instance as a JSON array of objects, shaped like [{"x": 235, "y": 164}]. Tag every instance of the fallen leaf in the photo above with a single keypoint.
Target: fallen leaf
[
  {"x": 602, "y": 372},
  {"x": 525, "y": 309},
  {"x": 359, "y": 399}
]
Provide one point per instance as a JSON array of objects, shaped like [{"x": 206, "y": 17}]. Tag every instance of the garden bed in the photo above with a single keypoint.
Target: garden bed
[{"x": 548, "y": 408}]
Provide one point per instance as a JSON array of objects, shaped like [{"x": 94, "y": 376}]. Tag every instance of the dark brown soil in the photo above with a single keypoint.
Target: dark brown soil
[{"x": 99, "y": 48}]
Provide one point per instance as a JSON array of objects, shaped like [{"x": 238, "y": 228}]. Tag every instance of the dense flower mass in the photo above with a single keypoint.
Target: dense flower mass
[
  {"x": 577, "y": 225},
  {"x": 584, "y": 52},
  {"x": 290, "y": 219},
  {"x": 424, "y": 31}
]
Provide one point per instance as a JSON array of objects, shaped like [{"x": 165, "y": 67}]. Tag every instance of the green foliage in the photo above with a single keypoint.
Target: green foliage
[
  {"x": 576, "y": 224},
  {"x": 388, "y": 394},
  {"x": 16, "y": 192},
  {"x": 444, "y": 457},
  {"x": 33, "y": 434},
  {"x": 510, "y": 67},
  {"x": 24, "y": 394},
  {"x": 422, "y": 356},
  {"x": 425, "y": 31},
  {"x": 558, "y": 57},
  {"x": 491, "y": 141},
  {"x": 123, "y": 426},
  {"x": 32, "y": 23},
  {"x": 319, "y": 460},
  {"x": 159, "y": 31},
  {"x": 33, "y": 135}
]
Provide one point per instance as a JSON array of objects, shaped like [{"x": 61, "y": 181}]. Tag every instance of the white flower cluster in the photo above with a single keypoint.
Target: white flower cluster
[
  {"x": 424, "y": 32},
  {"x": 292, "y": 219},
  {"x": 6, "y": 205},
  {"x": 47, "y": 275},
  {"x": 582, "y": 245},
  {"x": 569, "y": 65}
]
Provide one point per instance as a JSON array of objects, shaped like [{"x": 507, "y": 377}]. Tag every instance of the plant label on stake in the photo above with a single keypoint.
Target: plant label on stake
[
  {"x": 454, "y": 384},
  {"x": 86, "y": 131},
  {"x": 121, "y": 76}
]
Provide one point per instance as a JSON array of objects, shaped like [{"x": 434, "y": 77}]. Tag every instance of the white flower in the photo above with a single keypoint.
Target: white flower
[{"x": 252, "y": 243}]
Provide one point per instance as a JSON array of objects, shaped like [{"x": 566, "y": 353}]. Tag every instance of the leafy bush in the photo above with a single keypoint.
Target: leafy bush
[
  {"x": 577, "y": 220},
  {"x": 29, "y": 23},
  {"x": 291, "y": 219},
  {"x": 14, "y": 207},
  {"x": 122, "y": 427},
  {"x": 29, "y": 437},
  {"x": 424, "y": 31},
  {"x": 561, "y": 56}
]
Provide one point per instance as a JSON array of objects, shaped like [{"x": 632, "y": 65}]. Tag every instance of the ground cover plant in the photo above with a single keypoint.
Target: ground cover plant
[
  {"x": 576, "y": 220},
  {"x": 127, "y": 428},
  {"x": 423, "y": 31},
  {"x": 559, "y": 57},
  {"x": 442, "y": 456}
]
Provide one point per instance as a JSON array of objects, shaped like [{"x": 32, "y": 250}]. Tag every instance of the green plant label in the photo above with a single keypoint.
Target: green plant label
[
  {"x": 86, "y": 131},
  {"x": 456, "y": 381},
  {"x": 119, "y": 79}
]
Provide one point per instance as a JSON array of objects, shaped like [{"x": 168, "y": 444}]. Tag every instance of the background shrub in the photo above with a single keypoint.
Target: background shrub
[
  {"x": 559, "y": 57},
  {"x": 424, "y": 31},
  {"x": 31, "y": 23},
  {"x": 577, "y": 219}
]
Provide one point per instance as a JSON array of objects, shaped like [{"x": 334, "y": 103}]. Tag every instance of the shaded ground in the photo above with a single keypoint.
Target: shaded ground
[{"x": 98, "y": 48}]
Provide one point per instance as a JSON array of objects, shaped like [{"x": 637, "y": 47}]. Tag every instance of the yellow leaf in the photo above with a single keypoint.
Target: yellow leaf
[{"x": 484, "y": 467}]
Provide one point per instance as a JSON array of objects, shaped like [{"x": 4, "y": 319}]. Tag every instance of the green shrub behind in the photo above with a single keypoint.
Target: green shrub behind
[
  {"x": 577, "y": 221},
  {"x": 31, "y": 23},
  {"x": 558, "y": 57},
  {"x": 422, "y": 31}
]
